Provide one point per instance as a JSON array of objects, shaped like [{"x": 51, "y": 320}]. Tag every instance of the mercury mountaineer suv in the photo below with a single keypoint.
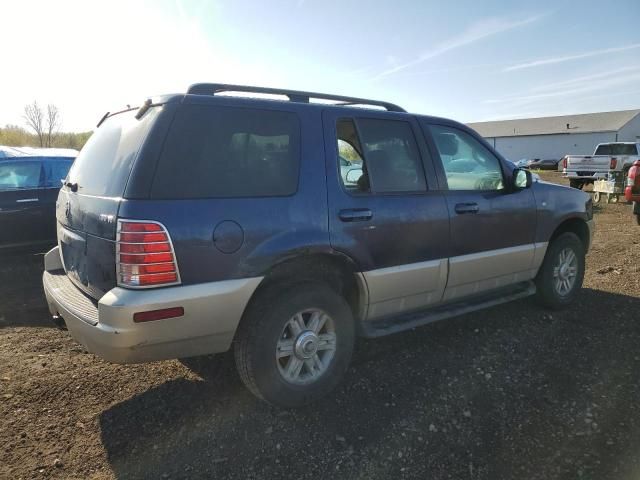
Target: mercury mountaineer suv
[{"x": 203, "y": 222}]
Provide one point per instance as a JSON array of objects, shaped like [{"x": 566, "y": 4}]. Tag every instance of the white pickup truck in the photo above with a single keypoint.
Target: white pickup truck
[{"x": 608, "y": 157}]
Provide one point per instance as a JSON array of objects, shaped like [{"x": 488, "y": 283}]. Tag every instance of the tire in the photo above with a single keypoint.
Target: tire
[
  {"x": 271, "y": 327},
  {"x": 549, "y": 292},
  {"x": 576, "y": 184},
  {"x": 596, "y": 197},
  {"x": 637, "y": 219}
]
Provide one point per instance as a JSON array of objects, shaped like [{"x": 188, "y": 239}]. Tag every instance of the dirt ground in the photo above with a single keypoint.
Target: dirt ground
[{"x": 510, "y": 392}]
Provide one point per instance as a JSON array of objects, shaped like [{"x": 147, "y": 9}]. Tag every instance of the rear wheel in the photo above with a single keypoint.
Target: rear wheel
[
  {"x": 295, "y": 343},
  {"x": 562, "y": 271},
  {"x": 576, "y": 184}
]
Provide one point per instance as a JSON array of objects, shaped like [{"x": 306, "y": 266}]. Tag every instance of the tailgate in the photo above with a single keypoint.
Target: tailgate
[
  {"x": 88, "y": 203},
  {"x": 588, "y": 163}
]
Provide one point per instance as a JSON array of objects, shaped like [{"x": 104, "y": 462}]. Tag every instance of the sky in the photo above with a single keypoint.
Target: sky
[{"x": 466, "y": 60}]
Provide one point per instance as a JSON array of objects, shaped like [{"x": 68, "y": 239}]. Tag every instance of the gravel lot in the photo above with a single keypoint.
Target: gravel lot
[{"x": 510, "y": 392}]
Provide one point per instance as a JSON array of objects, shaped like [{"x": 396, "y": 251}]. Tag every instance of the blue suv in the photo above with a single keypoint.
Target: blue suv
[{"x": 285, "y": 228}]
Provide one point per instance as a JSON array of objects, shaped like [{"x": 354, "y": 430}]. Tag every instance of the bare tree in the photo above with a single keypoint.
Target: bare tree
[
  {"x": 53, "y": 122},
  {"x": 35, "y": 120}
]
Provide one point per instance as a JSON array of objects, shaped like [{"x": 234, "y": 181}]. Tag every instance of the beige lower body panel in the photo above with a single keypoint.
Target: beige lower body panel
[
  {"x": 406, "y": 287},
  {"x": 395, "y": 290}
]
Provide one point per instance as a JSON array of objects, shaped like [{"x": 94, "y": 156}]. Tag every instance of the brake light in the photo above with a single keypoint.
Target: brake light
[
  {"x": 144, "y": 255},
  {"x": 613, "y": 163},
  {"x": 564, "y": 162}
]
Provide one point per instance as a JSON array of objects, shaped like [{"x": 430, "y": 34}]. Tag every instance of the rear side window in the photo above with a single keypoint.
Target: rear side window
[
  {"x": 20, "y": 175},
  {"x": 617, "y": 149},
  {"x": 229, "y": 152},
  {"x": 55, "y": 170},
  {"x": 383, "y": 156},
  {"x": 104, "y": 164}
]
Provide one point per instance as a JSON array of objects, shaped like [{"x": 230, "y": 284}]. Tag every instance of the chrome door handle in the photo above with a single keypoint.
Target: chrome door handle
[{"x": 462, "y": 208}]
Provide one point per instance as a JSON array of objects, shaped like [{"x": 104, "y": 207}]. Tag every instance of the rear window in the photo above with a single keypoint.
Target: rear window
[
  {"x": 104, "y": 164},
  {"x": 229, "y": 152},
  {"x": 617, "y": 149}
]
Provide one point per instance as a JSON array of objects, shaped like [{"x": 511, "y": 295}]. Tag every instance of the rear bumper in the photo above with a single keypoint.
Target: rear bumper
[
  {"x": 581, "y": 176},
  {"x": 212, "y": 312}
]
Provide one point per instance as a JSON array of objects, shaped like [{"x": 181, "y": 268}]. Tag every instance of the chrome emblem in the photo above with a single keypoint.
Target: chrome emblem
[{"x": 107, "y": 218}]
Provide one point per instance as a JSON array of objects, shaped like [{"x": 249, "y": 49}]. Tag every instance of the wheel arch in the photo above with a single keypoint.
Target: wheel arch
[
  {"x": 335, "y": 269},
  {"x": 574, "y": 225}
]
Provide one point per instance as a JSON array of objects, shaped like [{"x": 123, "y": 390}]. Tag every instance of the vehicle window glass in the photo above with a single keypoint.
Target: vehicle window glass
[
  {"x": 468, "y": 165},
  {"x": 19, "y": 175},
  {"x": 384, "y": 159},
  {"x": 229, "y": 152},
  {"x": 56, "y": 170},
  {"x": 617, "y": 149},
  {"x": 104, "y": 163}
]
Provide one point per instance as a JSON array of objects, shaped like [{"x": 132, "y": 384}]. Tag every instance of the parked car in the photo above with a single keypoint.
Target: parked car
[
  {"x": 29, "y": 184},
  {"x": 203, "y": 222},
  {"x": 608, "y": 157},
  {"x": 548, "y": 164}
]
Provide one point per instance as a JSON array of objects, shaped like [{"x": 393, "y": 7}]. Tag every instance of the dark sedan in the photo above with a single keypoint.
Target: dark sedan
[{"x": 29, "y": 184}]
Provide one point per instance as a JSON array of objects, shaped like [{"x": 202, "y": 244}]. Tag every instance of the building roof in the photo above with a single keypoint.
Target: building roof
[
  {"x": 582, "y": 123},
  {"x": 12, "y": 152}
]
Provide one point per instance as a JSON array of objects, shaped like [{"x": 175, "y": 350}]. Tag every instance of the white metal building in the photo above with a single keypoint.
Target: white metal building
[{"x": 554, "y": 137}]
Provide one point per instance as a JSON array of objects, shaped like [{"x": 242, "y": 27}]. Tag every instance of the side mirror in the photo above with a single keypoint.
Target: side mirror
[
  {"x": 521, "y": 179},
  {"x": 353, "y": 175}
]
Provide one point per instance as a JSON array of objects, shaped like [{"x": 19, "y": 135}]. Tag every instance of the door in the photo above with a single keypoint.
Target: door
[
  {"x": 20, "y": 208},
  {"x": 384, "y": 212},
  {"x": 492, "y": 225}
]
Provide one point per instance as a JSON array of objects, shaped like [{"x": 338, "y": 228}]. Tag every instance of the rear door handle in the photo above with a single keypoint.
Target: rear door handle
[
  {"x": 355, "y": 214},
  {"x": 462, "y": 208}
]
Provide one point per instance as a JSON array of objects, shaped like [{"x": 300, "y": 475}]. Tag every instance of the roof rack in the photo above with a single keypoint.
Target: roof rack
[{"x": 293, "y": 95}]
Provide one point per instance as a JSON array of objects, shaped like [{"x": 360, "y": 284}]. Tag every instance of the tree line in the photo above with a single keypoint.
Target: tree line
[{"x": 43, "y": 130}]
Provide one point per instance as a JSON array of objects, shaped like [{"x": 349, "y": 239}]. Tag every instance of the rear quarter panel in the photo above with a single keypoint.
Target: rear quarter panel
[{"x": 274, "y": 229}]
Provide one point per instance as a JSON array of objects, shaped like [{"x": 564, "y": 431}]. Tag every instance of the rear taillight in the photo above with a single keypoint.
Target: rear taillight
[
  {"x": 564, "y": 162},
  {"x": 144, "y": 255},
  {"x": 613, "y": 163},
  {"x": 632, "y": 189}
]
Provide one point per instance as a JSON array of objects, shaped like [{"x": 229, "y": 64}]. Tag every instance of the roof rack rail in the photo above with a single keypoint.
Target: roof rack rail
[{"x": 293, "y": 95}]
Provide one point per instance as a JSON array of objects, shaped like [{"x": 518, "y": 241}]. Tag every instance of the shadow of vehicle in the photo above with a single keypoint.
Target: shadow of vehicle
[
  {"x": 510, "y": 392},
  {"x": 22, "y": 301}
]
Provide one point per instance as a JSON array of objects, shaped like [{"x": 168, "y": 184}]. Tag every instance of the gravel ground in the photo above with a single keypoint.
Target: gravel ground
[{"x": 510, "y": 392}]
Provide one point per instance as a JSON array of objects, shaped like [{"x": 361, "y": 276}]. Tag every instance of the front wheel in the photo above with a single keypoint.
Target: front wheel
[
  {"x": 295, "y": 343},
  {"x": 562, "y": 272}
]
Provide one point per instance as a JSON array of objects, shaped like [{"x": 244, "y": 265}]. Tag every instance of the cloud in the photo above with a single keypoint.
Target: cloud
[
  {"x": 577, "y": 86},
  {"x": 476, "y": 32},
  {"x": 567, "y": 58}
]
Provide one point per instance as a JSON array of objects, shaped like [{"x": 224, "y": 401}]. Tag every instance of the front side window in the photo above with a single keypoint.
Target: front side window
[
  {"x": 229, "y": 152},
  {"x": 19, "y": 175},
  {"x": 383, "y": 156},
  {"x": 468, "y": 165}
]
